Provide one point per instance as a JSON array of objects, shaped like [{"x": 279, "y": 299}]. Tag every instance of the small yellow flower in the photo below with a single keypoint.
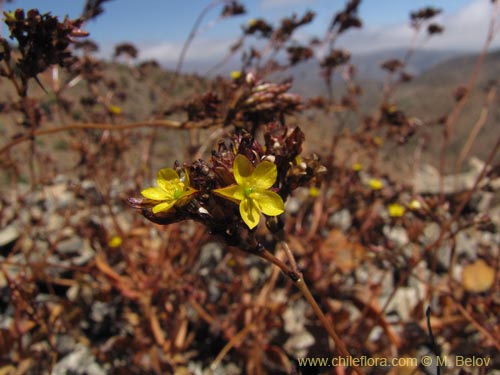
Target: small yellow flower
[
  {"x": 251, "y": 190},
  {"x": 395, "y": 210},
  {"x": 171, "y": 190},
  {"x": 314, "y": 192},
  {"x": 378, "y": 141},
  {"x": 115, "y": 110},
  {"x": 115, "y": 241},
  {"x": 357, "y": 167},
  {"x": 375, "y": 184},
  {"x": 235, "y": 75},
  {"x": 415, "y": 205}
]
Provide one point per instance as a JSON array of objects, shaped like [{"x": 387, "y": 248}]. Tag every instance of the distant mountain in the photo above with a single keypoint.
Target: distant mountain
[
  {"x": 458, "y": 69},
  {"x": 308, "y": 81},
  {"x": 368, "y": 64},
  {"x": 430, "y": 96}
]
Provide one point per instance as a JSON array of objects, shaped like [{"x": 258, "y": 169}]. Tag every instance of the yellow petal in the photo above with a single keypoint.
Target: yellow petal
[
  {"x": 156, "y": 194},
  {"x": 249, "y": 213},
  {"x": 268, "y": 202},
  {"x": 186, "y": 196},
  {"x": 242, "y": 169},
  {"x": 165, "y": 177},
  {"x": 233, "y": 192},
  {"x": 186, "y": 181},
  {"x": 264, "y": 175},
  {"x": 163, "y": 206}
]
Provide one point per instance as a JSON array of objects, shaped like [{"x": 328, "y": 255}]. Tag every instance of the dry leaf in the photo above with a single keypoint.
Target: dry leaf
[
  {"x": 345, "y": 254},
  {"x": 478, "y": 277}
]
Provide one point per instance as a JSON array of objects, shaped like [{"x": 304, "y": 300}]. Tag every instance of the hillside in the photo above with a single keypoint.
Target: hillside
[
  {"x": 431, "y": 95},
  {"x": 308, "y": 81},
  {"x": 428, "y": 97}
]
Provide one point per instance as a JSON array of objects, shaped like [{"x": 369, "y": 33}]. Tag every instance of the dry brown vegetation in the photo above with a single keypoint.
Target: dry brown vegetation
[{"x": 368, "y": 259}]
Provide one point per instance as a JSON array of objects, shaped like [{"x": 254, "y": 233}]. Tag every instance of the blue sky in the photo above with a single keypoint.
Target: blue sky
[{"x": 159, "y": 27}]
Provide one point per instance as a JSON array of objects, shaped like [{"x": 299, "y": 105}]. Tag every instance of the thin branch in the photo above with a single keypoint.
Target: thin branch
[{"x": 143, "y": 124}]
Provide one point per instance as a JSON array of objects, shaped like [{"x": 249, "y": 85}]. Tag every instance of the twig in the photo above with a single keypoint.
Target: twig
[
  {"x": 452, "y": 119},
  {"x": 476, "y": 129},
  {"x": 299, "y": 282},
  {"x": 190, "y": 38},
  {"x": 235, "y": 340},
  {"x": 143, "y": 124},
  {"x": 478, "y": 326}
]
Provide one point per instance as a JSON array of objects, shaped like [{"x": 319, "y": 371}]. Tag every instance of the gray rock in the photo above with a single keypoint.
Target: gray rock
[
  {"x": 61, "y": 179},
  {"x": 9, "y": 234},
  {"x": 92, "y": 194},
  {"x": 427, "y": 179},
  {"x": 398, "y": 235},
  {"x": 495, "y": 215},
  {"x": 404, "y": 301},
  {"x": 100, "y": 310},
  {"x": 431, "y": 233},
  {"x": 86, "y": 254},
  {"x": 341, "y": 219},
  {"x": 294, "y": 317},
  {"x": 292, "y": 205},
  {"x": 443, "y": 255},
  {"x": 54, "y": 223},
  {"x": 79, "y": 362},
  {"x": 70, "y": 245},
  {"x": 210, "y": 255},
  {"x": 466, "y": 244},
  {"x": 36, "y": 213},
  {"x": 299, "y": 343},
  {"x": 214, "y": 291},
  {"x": 65, "y": 200}
]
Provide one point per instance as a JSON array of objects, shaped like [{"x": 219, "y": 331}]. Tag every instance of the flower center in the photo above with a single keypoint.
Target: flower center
[
  {"x": 178, "y": 190},
  {"x": 247, "y": 191}
]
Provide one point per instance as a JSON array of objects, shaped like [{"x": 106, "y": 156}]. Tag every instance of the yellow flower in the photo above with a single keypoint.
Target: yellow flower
[
  {"x": 356, "y": 167},
  {"x": 235, "y": 75},
  {"x": 115, "y": 241},
  {"x": 115, "y": 110},
  {"x": 251, "y": 190},
  {"x": 171, "y": 190},
  {"x": 395, "y": 210},
  {"x": 415, "y": 205},
  {"x": 375, "y": 184},
  {"x": 314, "y": 192},
  {"x": 378, "y": 141}
]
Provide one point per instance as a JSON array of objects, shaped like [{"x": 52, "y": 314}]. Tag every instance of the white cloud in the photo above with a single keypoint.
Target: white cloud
[
  {"x": 199, "y": 50},
  {"x": 465, "y": 30},
  {"x": 371, "y": 39}
]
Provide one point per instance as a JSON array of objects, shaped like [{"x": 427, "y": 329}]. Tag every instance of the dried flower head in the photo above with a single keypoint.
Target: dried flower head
[{"x": 42, "y": 40}]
